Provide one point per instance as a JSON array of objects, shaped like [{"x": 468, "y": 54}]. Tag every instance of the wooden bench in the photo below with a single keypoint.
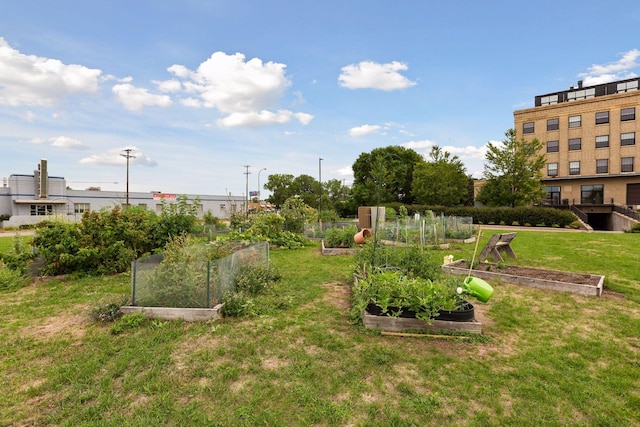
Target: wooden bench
[{"x": 498, "y": 243}]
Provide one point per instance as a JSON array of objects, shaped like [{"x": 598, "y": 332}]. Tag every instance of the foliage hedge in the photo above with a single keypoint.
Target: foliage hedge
[
  {"x": 525, "y": 215},
  {"x": 106, "y": 242}
]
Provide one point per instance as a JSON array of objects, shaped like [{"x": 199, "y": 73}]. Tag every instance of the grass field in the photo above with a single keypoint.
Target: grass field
[{"x": 545, "y": 358}]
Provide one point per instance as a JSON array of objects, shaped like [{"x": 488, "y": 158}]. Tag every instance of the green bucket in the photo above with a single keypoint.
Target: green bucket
[{"x": 478, "y": 288}]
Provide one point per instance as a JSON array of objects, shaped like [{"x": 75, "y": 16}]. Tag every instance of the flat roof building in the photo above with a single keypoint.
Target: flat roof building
[
  {"x": 27, "y": 199},
  {"x": 589, "y": 135}
]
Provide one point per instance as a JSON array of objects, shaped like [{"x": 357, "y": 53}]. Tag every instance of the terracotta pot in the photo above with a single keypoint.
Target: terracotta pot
[{"x": 361, "y": 237}]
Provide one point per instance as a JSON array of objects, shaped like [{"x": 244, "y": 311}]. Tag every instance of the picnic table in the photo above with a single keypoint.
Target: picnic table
[{"x": 497, "y": 244}]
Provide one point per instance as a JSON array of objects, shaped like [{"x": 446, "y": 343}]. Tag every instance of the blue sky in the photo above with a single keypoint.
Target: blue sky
[{"x": 201, "y": 88}]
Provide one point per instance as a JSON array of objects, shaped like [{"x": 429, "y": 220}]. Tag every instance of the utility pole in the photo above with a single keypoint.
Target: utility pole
[
  {"x": 128, "y": 156},
  {"x": 246, "y": 193},
  {"x": 320, "y": 159}
]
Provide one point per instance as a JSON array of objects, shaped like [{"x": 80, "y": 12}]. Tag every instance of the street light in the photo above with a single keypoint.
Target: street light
[
  {"x": 128, "y": 156},
  {"x": 263, "y": 169},
  {"x": 246, "y": 193}
]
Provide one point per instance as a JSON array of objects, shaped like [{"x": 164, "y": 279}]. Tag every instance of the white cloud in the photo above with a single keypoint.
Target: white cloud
[
  {"x": 244, "y": 91},
  {"x": 66, "y": 142},
  {"x": 255, "y": 119},
  {"x": 613, "y": 71},
  {"x": 134, "y": 98},
  {"x": 372, "y": 75},
  {"x": 344, "y": 171},
  {"x": 424, "y": 145},
  {"x": 115, "y": 157},
  {"x": 363, "y": 130},
  {"x": 61, "y": 142},
  {"x": 168, "y": 85},
  {"x": 34, "y": 80}
]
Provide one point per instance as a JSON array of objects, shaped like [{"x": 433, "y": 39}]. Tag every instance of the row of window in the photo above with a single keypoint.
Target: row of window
[
  {"x": 601, "y": 141},
  {"x": 602, "y": 166},
  {"x": 602, "y": 117},
  {"x": 589, "y": 194}
]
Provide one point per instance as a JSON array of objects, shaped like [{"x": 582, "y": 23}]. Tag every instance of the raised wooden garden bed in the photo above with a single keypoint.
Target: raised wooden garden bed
[
  {"x": 399, "y": 324},
  {"x": 584, "y": 284},
  {"x": 337, "y": 251},
  {"x": 172, "y": 313}
]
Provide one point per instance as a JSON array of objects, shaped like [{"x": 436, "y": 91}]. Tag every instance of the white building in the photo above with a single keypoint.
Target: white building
[{"x": 27, "y": 199}]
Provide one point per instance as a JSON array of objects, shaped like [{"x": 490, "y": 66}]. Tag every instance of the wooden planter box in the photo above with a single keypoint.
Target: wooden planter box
[
  {"x": 399, "y": 324},
  {"x": 460, "y": 268},
  {"x": 173, "y": 313},
  {"x": 337, "y": 251}
]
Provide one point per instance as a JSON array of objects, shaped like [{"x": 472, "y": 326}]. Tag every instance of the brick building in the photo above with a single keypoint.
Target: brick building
[{"x": 589, "y": 133}]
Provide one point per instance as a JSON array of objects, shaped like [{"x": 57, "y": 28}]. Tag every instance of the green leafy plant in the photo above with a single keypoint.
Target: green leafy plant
[
  {"x": 340, "y": 237},
  {"x": 394, "y": 293},
  {"x": 11, "y": 279},
  {"x": 108, "y": 312}
]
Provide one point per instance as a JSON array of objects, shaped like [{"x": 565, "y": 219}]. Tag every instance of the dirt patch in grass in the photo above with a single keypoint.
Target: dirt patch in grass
[
  {"x": 54, "y": 326},
  {"x": 337, "y": 294}
]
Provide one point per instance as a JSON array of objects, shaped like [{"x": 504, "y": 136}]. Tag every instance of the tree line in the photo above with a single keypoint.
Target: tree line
[{"x": 396, "y": 174}]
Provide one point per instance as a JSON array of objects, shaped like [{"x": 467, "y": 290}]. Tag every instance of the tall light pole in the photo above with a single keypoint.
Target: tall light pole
[
  {"x": 246, "y": 194},
  {"x": 263, "y": 169},
  {"x": 128, "y": 156}
]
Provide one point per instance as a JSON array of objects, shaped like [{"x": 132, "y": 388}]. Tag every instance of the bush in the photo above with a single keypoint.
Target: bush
[
  {"x": 11, "y": 279},
  {"x": 341, "y": 237},
  {"x": 19, "y": 256},
  {"x": 108, "y": 312},
  {"x": 634, "y": 229}
]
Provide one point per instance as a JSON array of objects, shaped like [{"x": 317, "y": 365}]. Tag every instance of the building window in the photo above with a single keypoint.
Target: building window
[
  {"x": 553, "y": 124},
  {"x": 602, "y": 117},
  {"x": 626, "y": 164},
  {"x": 628, "y": 86},
  {"x": 574, "y": 168},
  {"x": 575, "y": 121},
  {"x": 553, "y": 195},
  {"x": 581, "y": 94},
  {"x": 592, "y": 194},
  {"x": 552, "y": 169},
  {"x": 547, "y": 100},
  {"x": 602, "y": 165},
  {"x": 575, "y": 144},
  {"x": 41, "y": 210},
  {"x": 553, "y": 146},
  {"x": 628, "y": 138},
  {"x": 602, "y": 141},
  {"x": 81, "y": 208},
  {"x": 528, "y": 127},
  {"x": 627, "y": 114}
]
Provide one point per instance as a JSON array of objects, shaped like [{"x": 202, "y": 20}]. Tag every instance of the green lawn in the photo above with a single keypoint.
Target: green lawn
[{"x": 545, "y": 358}]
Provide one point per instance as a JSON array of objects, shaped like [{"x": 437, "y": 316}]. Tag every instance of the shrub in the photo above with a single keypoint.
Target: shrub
[
  {"x": 108, "y": 312},
  {"x": 341, "y": 237},
  {"x": 18, "y": 257},
  {"x": 634, "y": 229},
  {"x": 11, "y": 279}
]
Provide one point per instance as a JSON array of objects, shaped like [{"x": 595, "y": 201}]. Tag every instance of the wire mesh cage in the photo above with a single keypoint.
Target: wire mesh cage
[
  {"x": 191, "y": 279},
  {"x": 426, "y": 230}
]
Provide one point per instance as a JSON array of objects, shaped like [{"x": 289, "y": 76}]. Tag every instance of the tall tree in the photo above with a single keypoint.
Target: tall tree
[
  {"x": 387, "y": 172},
  {"x": 513, "y": 172},
  {"x": 440, "y": 181},
  {"x": 281, "y": 187}
]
